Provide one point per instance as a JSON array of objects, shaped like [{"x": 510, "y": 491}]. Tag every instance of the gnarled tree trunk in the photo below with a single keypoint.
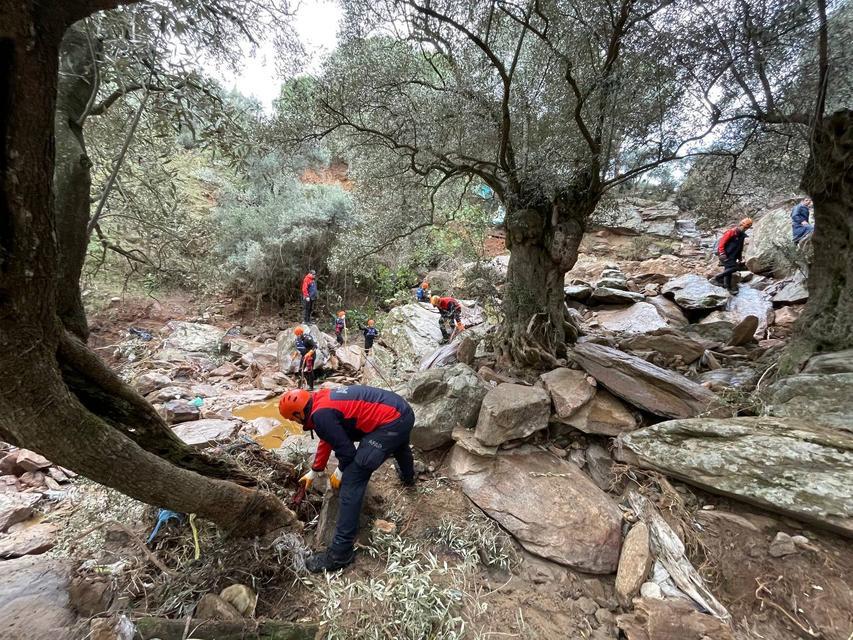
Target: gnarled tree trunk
[
  {"x": 72, "y": 178},
  {"x": 56, "y": 397},
  {"x": 543, "y": 237},
  {"x": 827, "y": 323}
]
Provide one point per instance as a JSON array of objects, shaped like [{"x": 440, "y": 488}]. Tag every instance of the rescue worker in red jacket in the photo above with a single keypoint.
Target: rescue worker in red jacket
[
  {"x": 449, "y": 315},
  {"x": 381, "y": 422},
  {"x": 309, "y": 295},
  {"x": 730, "y": 251}
]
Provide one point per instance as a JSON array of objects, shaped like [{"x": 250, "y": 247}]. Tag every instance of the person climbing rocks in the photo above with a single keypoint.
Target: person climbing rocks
[
  {"x": 340, "y": 326},
  {"x": 800, "y": 227},
  {"x": 370, "y": 334},
  {"x": 730, "y": 252},
  {"x": 309, "y": 295},
  {"x": 422, "y": 293},
  {"x": 449, "y": 315},
  {"x": 381, "y": 422},
  {"x": 306, "y": 348}
]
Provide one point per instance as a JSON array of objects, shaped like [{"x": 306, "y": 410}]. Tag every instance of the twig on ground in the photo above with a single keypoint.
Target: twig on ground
[
  {"x": 811, "y": 633},
  {"x": 133, "y": 538}
]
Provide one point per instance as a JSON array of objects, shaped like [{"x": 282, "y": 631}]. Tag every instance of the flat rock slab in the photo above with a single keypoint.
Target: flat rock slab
[
  {"x": 669, "y": 343},
  {"x": 835, "y": 362},
  {"x": 641, "y": 317},
  {"x": 580, "y": 292},
  {"x": 34, "y": 599},
  {"x": 827, "y": 398},
  {"x": 788, "y": 465},
  {"x": 30, "y": 540},
  {"x": 206, "y": 433},
  {"x": 549, "y": 505},
  {"x": 654, "y": 619},
  {"x": 512, "y": 411},
  {"x": 607, "y": 295},
  {"x": 719, "y": 380},
  {"x": 695, "y": 293},
  {"x": 570, "y": 390},
  {"x": 653, "y": 389},
  {"x": 16, "y": 507},
  {"x": 635, "y": 561}
]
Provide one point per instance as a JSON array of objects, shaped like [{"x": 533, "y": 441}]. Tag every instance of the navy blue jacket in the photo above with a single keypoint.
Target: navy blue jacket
[
  {"x": 799, "y": 215},
  {"x": 370, "y": 334},
  {"x": 304, "y": 344}
]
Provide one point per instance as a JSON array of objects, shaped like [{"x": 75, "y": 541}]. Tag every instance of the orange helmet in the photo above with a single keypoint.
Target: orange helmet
[
  {"x": 434, "y": 301},
  {"x": 341, "y": 314},
  {"x": 371, "y": 322},
  {"x": 424, "y": 285},
  {"x": 298, "y": 331},
  {"x": 292, "y": 405},
  {"x": 746, "y": 223}
]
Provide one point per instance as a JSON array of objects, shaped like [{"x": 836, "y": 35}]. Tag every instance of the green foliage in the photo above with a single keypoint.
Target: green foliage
[
  {"x": 478, "y": 541},
  {"x": 413, "y": 597},
  {"x": 275, "y": 228}
]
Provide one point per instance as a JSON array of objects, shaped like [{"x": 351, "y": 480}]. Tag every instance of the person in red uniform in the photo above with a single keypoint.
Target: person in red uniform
[
  {"x": 381, "y": 422},
  {"x": 449, "y": 315},
  {"x": 309, "y": 295}
]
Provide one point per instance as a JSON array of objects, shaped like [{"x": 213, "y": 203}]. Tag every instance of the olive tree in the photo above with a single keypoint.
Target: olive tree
[
  {"x": 58, "y": 397},
  {"x": 551, "y": 104}
]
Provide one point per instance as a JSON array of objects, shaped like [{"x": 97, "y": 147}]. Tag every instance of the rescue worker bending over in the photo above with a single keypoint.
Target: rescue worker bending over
[
  {"x": 449, "y": 315},
  {"x": 381, "y": 422}
]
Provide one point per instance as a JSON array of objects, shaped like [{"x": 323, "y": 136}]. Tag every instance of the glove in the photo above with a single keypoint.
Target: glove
[
  {"x": 308, "y": 479},
  {"x": 307, "y": 298},
  {"x": 310, "y": 354},
  {"x": 335, "y": 479},
  {"x": 460, "y": 326}
]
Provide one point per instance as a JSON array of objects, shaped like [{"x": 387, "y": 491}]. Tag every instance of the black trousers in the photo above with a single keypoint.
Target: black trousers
[
  {"x": 373, "y": 449},
  {"x": 730, "y": 267},
  {"x": 307, "y": 308}
]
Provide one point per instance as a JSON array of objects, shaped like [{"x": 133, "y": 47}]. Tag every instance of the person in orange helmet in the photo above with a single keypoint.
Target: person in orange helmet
[
  {"x": 449, "y": 315},
  {"x": 380, "y": 422},
  {"x": 306, "y": 348},
  {"x": 422, "y": 293},
  {"x": 730, "y": 252}
]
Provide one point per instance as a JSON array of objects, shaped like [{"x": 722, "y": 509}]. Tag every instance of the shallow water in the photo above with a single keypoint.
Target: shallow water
[{"x": 269, "y": 409}]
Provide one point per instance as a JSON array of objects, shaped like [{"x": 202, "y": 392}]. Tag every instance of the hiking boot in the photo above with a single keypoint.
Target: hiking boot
[
  {"x": 406, "y": 482},
  {"x": 734, "y": 289},
  {"x": 716, "y": 281},
  {"x": 328, "y": 561}
]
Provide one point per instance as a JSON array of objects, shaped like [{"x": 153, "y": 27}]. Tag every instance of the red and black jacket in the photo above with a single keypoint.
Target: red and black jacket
[
  {"x": 731, "y": 243},
  {"x": 343, "y": 416},
  {"x": 450, "y": 308}
]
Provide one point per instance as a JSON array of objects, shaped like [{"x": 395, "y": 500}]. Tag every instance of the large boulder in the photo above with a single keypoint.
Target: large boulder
[
  {"x": 824, "y": 397},
  {"x": 635, "y": 216},
  {"x": 350, "y": 356},
  {"x": 751, "y": 302},
  {"x": 604, "y": 415},
  {"x": 770, "y": 248},
  {"x": 378, "y": 370},
  {"x": 191, "y": 337},
  {"x": 790, "y": 465},
  {"x": 668, "y": 310},
  {"x": 794, "y": 291},
  {"x": 640, "y": 317},
  {"x": 570, "y": 390},
  {"x": 653, "y": 389},
  {"x": 549, "y": 505},
  {"x": 440, "y": 282},
  {"x": 441, "y": 400},
  {"x": 285, "y": 349},
  {"x": 695, "y": 293},
  {"x": 412, "y": 332},
  {"x": 512, "y": 411}
]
